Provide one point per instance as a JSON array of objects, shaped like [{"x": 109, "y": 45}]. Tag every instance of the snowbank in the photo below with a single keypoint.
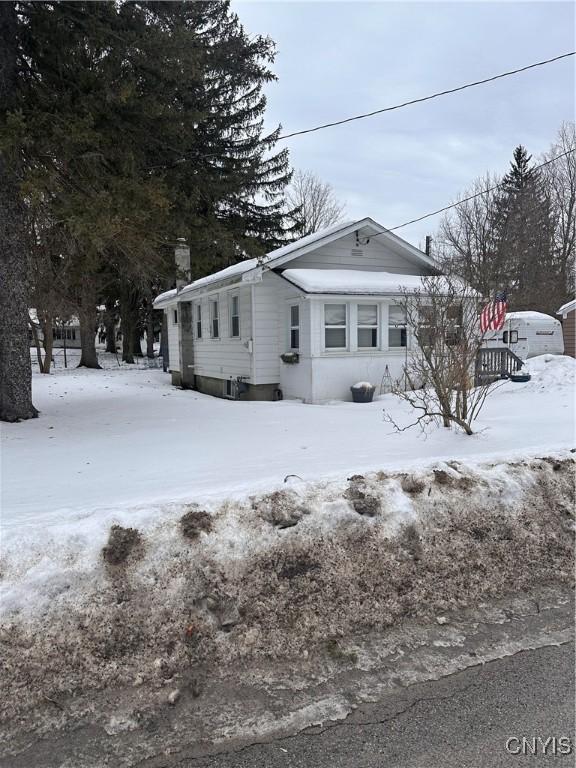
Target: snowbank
[{"x": 277, "y": 574}]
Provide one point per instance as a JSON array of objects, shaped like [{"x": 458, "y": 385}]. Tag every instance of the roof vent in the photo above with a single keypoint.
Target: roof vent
[{"x": 357, "y": 252}]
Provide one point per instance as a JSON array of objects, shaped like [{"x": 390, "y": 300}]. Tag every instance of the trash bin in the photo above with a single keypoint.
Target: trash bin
[{"x": 362, "y": 392}]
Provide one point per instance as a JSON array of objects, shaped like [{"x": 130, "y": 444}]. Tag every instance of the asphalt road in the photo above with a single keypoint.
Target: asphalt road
[{"x": 461, "y": 721}]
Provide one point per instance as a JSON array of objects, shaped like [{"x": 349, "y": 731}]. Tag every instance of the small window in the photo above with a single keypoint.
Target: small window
[
  {"x": 295, "y": 327},
  {"x": 175, "y": 316},
  {"x": 335, "y": 326},
  {"x": 367, "y": 326},
  {"x": 235, "y": 317},
  {"x": 510, "y": 337},
  {"x": 397, "y": 336},
  {"x": 198, "y": 311},
  {"x": 214, "y": 319}
]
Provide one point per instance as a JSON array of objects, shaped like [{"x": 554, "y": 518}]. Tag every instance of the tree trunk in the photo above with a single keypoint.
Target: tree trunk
[
  {"x": 110, "y": 325},
  {"x": 136, "y": 341},
  {"x": 37, "y": 345},
  {"x": 87, "y": 317},
  {"x": 15, "y": 365},
  {"x": 128, "y": 318},
  {"x": 150, "y": 334},
  {"x": 48, "y": 345}
]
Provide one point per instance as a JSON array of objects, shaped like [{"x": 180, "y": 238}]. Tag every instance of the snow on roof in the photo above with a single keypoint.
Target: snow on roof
[
  {"x": 570, "y": 306},
  {"x": 529, "y": 316},
  {"x": 224, "y": 274},
  {"x": 164, "y": 299},
  {"x": 352, "y": 281}
]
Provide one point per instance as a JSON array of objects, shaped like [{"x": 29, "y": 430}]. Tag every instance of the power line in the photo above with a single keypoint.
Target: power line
[
  {"x": 467, "y": 199},
  {"x": 427, "y": 98}
]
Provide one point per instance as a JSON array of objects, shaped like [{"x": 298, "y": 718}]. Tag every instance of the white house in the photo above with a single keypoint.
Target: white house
[{"x": 307, "y": 321}]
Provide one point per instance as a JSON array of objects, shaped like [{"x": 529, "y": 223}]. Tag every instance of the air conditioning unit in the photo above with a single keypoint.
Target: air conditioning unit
[{"x": 234, "y": 387}]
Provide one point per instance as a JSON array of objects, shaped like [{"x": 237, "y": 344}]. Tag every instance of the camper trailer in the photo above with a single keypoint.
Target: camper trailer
[{"x": 528, "y": 334}]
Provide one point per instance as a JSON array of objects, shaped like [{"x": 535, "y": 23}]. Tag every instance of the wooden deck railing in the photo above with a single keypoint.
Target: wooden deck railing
[{"x": 495, "y": 363}]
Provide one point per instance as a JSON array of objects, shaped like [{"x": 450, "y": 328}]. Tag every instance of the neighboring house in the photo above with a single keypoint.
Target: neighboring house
[
  {"x": 568, "y": 314},
  {"x": 307, "y": 321},
  {"x": 65, "y": 333}
]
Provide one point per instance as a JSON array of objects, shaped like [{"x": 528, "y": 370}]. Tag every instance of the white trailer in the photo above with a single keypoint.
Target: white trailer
[{"x": 528, "y": 334}]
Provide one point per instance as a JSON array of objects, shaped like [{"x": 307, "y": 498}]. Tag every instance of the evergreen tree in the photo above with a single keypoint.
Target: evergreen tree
[
  {"x": 138, "y": 122},
  {"x": 525, "y": 237}
]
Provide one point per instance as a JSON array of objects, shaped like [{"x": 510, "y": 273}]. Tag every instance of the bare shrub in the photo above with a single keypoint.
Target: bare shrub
[{"x": 442, "y": 322}]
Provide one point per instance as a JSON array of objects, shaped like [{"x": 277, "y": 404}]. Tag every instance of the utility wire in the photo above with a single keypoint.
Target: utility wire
[
  {"x": 427, "y": 98},
  {"x": 466, "y": 199}
]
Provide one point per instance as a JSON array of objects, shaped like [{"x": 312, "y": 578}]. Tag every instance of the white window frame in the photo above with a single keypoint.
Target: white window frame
[
  {"x": 293, "y": 327},
  {"x": 198, "y": 320},
  {"x": 214, "y": 317},
  {"x": 370, "y": 327},
  {"x": 234, "y": 296},
  {"x": 338, "y": 327}
]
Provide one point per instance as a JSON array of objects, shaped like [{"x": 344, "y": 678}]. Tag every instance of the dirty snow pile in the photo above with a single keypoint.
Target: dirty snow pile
[{"x": 277, "y": 575}]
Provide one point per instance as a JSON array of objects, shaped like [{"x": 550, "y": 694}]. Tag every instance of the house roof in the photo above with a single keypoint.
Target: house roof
[
  {"x": 274, "y": 259},
  {"x": 349, "y": 281},
  {"x": 570, "y": 306}
]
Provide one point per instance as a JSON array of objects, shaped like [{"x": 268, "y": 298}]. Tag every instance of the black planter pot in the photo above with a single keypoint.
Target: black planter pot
[{"x": 362, "y": 394}]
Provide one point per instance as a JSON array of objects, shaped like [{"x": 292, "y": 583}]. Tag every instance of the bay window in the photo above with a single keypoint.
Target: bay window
[{"x": 335, "y": 326}]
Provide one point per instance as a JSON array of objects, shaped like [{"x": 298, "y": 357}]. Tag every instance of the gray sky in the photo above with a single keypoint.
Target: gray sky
[{"x": 337, "y": 59}]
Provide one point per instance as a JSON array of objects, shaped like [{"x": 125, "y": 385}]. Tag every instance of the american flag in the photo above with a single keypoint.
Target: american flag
[{"x": 494, "y": 313}]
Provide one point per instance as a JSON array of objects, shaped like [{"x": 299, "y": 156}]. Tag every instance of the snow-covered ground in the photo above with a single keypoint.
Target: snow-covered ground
[{"x": 122, "y": 440}]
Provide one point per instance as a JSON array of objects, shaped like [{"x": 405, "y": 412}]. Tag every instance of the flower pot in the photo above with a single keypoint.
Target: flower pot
[{"x": 362, "y": 392}]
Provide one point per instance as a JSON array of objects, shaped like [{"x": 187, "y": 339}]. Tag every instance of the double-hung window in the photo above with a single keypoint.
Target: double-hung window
[
  {"x": 397, "y": 335},
  {"x": 198, "y": 319},
  {"x": 367, "y": 325},
  {"x": 175, "y": 316},
  {"x": 235, "y": 317},
  {"x": 295, "y": 327},
  {"x": 335, "y": 326},
  {"x": 214, "y": 319}
]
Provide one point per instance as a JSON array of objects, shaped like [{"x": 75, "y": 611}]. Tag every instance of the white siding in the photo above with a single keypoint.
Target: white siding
[
  {"x": 173, "y": 338},
  {"x": 345, "y": 253},
  {"x": 225, "y": 356}
]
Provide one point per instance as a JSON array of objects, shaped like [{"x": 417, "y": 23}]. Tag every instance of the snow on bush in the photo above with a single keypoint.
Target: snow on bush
[{"x": 282, "y": 574}]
